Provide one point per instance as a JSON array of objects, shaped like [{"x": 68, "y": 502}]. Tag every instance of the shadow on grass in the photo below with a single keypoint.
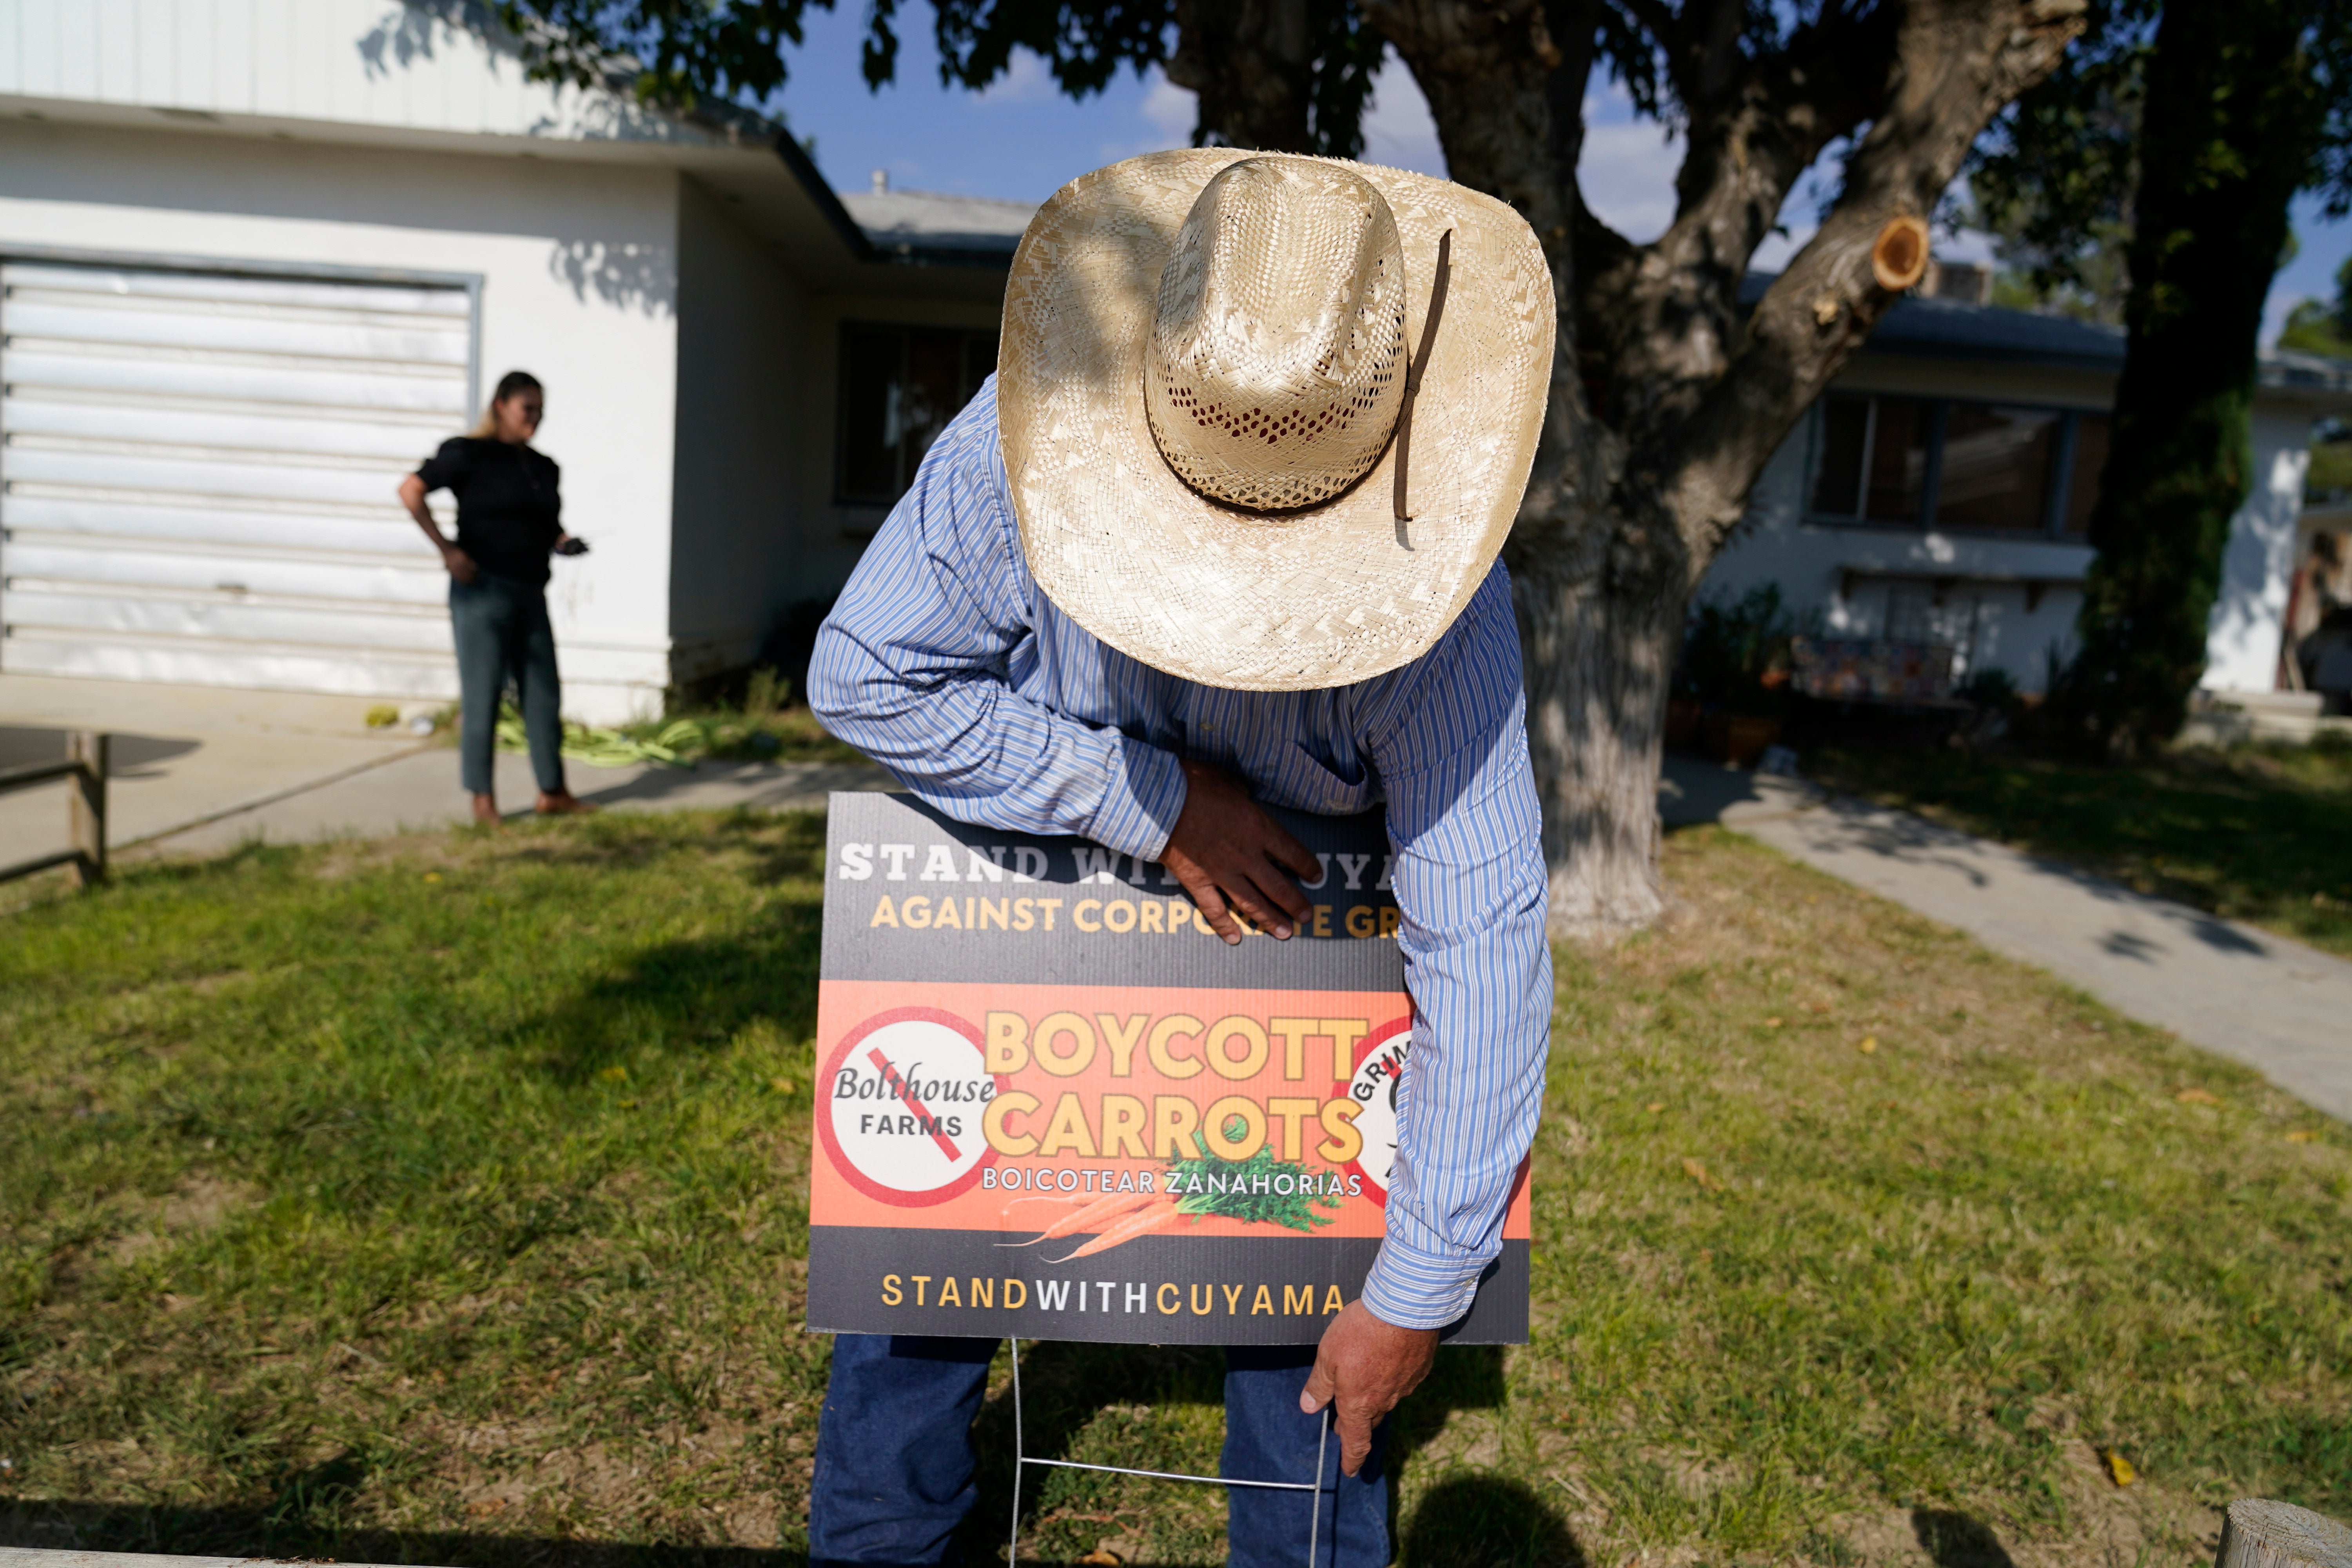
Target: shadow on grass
[
  {"x": 1065, "y": 1385},
  {"x": 685, "y": 996},
  {"x": 299, "y": 1526},
  {"x": 697, "y": 994},
  {"x": 1956, "y": 1540},
  {"x": 1476, "y": 1520},
  {"x": 1472, "y": 1520}
]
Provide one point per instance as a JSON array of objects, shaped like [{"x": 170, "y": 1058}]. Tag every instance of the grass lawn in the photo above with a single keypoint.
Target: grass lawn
[
  {"x": 442, "y": 1200},
  {"x": 2261, "y": 833}
]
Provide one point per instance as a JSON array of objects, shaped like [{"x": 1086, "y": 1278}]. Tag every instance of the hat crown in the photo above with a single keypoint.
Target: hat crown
[{"x": 1276, "y": 362}]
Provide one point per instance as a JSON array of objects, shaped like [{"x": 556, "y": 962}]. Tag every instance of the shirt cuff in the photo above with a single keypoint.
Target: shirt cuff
[
  {"x": 1140, "y": 806},
  {"x": 1414, "y": 1290}
]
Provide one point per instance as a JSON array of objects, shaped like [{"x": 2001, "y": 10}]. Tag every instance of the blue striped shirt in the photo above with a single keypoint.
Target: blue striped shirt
[{"x": 944, "y": 663}]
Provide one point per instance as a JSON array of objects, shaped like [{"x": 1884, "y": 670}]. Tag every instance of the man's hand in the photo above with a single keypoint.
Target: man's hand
[
  {"x": 1365, "y": 1367},
  {"x": 461, "y": 565},
  {"x": 1226, "y": 850}
]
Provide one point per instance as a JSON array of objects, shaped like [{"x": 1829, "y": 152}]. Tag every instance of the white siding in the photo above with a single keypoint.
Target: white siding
[
  {"x": 192, "y": 483},
  {"x": 577, "y": 266},
  {"x": 355, "y": 62},
  {"x": 2241, "y": 641},
  {"x": 743, "y": 391}
]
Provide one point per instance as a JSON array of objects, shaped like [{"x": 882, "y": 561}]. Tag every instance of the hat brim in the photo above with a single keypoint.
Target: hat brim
[{"x": 1325, "y": 595}]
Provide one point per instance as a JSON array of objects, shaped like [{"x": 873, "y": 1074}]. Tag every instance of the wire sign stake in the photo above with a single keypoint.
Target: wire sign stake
[{"x": 1021, "y": 1458}]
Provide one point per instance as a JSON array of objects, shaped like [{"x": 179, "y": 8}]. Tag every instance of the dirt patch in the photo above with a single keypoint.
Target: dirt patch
[
  {"x": 200, "y": 1203},
  {"x": 2109, "y": 1527},
  {"x": 421, "y": 852}
]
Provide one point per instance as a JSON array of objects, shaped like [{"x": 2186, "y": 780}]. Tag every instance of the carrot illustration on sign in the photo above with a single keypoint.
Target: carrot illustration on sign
[
  {"x": 1087, "y": 1218},
  {"x": 1141, "y": 1223},
  {"x": 1261, "y": 1189}
]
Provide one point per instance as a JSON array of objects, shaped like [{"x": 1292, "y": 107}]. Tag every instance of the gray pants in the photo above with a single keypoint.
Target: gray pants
[{"x": 504, "y": 639}]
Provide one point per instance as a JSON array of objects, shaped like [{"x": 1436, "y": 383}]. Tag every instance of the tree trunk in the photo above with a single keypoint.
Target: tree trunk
[
  {"x": 1667, "y": 398},
  {"x": 1247, "y": 59},
  {"x": 1279, "y": 76},
  {"x": 2259, "y": 1533},
  {"x": 2232, "y": 111},
  {"x": 1596, "y": 665}
]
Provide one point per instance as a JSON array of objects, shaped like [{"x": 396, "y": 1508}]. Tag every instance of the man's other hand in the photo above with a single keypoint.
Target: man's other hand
[
  {"x": 1226, "y": 850},
  {"x": 1363, "y": 1367}
]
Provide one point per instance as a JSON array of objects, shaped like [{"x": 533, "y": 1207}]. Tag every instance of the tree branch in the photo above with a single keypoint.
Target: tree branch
[
  {"x": 1669, "y": 317},
  {"x": 1956, "y": 62},
  {"x": 1658, "y": 19}
]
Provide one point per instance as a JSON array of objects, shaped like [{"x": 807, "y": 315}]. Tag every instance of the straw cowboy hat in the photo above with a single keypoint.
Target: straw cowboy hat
[{"x": 1268, "y": 418}]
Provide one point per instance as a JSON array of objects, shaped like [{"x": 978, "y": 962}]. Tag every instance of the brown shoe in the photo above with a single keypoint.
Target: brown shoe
[
  {"x": 564, "y": 803},
  {"x": 485, "y": 810}
]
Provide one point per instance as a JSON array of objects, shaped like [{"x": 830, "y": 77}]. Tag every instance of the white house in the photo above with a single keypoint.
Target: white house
[
  {"x": 258, "y": 257},
  {"x": 1940, "y": 493}
]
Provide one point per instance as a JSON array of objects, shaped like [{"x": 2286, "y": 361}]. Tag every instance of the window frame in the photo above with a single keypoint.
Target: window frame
[
  {"x": 2059, "y": 487},
  {"x": 904, "y": 332}
]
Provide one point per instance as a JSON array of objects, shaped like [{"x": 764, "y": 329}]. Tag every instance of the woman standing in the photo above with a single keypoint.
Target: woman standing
[{"x": 507, "y": 512}]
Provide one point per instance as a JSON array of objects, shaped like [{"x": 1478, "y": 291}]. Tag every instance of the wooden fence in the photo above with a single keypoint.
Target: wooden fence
[{"x": 86, "y": 765}]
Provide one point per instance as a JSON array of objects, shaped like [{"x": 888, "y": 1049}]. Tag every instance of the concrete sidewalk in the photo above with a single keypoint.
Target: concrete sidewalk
[
  {"x": 2274, "y": 1005},
  {"x": 200, "y": 769},
  {"x": 181, "y": 753},
  {"x": 421, "y": 791}
]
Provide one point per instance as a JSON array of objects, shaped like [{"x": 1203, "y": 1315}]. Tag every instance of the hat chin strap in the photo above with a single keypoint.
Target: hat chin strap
[{"x": 1412, "y": 373}]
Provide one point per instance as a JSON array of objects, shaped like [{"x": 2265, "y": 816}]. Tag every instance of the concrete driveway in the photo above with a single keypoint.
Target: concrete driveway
[
  {"x": 181, "y": 753},
  {"x": 422, "y": 792},
  {"x": 201, "y": 770}
]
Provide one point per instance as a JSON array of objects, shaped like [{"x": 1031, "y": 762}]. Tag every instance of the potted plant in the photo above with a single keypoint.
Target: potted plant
[{"x": 1731, "y": 683}]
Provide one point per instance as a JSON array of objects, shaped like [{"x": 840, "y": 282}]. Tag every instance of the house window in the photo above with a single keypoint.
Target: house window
[
  {"x": 1874, "y": 463},
  {"x": 1997, "y": 466},
  {"x": 1959, "y": 466},
  {"x": 2089, "y": 460},
  {"x": 899, "y": 387}
]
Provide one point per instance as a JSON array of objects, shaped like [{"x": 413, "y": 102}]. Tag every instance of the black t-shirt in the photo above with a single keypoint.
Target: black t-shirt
[{"x": 508, "y": 509}]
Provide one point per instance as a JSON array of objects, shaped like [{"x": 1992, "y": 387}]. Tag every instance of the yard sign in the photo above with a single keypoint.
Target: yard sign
[{"x": 1053, "y": 1104}]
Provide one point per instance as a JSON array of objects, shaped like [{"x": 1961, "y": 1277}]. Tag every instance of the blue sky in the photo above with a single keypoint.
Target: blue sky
[{"x": 1022, "y": 140}]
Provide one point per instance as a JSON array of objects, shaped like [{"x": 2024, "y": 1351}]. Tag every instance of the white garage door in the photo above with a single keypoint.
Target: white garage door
[{"x": 197, "y": 481}]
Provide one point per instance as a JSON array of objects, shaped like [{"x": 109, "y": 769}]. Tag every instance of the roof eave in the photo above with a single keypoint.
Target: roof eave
[
  {"x": 812, "y": 181},
  {"x": 2037, "y": 359}
]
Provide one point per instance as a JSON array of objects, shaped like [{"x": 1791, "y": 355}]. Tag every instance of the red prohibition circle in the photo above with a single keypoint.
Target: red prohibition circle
[
  {"x": 1372, "y": 1189},
  {"x": 847, "y": 1167}
]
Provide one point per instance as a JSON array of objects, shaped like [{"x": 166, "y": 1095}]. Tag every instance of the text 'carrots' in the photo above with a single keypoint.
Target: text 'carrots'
[{"x": 1139, "y": 1223}]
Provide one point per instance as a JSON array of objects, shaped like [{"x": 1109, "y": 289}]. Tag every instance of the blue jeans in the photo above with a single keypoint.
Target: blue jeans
[
  {"x": 894, "y": 1460},
  {"x": 504, "y": 638}
]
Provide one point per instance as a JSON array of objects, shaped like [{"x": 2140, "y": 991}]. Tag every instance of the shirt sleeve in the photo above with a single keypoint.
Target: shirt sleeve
[
  {"x": 911, "y": 668},
  {"x": 1471, "y": 884},
  {"x": 448, "y": 467}
]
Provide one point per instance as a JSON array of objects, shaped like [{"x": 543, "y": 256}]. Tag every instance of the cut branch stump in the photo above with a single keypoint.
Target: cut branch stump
[
  {"x": 2258, "y": 1533},
  {"x": 1898, "y": 256}
]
